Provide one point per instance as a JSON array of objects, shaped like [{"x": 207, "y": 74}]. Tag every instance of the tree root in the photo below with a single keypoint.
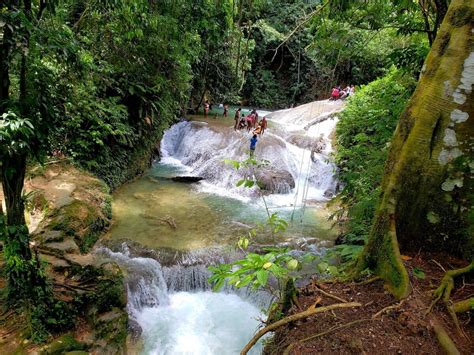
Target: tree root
[
  {"x": 464, "y": 306},
  {"x": 443, "y": 338},
  {"x": 73, "y": 287},
  {"x": 447, "y": 283},
  {"x": 333, "y": 329},
  {"x": 368, "y": 281},
  {"x": 309, "y": 312},
  {"x": 383, "y": 310},
  {"x": 444, "y": 291}
]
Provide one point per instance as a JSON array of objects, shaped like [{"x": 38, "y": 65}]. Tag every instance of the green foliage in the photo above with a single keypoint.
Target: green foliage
[
  {"x": 254, "y": 270},
  {"x": 28, "y": 287},
  {"x": 15, "y": 134},
  {"x": 418, "y": 273},
  {"x": 354, "y": 44},
  {"x": 363, "y": 135}
]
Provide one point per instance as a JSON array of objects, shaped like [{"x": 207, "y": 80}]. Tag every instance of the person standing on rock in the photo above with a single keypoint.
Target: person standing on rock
[
  {"x": 253, "y": 144},
  {"x": 263, "y": 124},
  {"x": 237, "y": 119}
]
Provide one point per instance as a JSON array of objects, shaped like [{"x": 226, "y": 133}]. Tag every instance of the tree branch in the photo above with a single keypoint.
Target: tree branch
[
  {"x": 309, "y": 312},
  {"x": 309, "y": 17}
]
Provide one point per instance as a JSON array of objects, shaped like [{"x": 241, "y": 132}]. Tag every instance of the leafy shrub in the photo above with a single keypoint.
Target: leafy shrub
[{"x": 363, "y": 135}]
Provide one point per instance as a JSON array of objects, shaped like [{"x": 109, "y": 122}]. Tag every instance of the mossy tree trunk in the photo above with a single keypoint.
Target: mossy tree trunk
[{"x": 427, "y": 189}]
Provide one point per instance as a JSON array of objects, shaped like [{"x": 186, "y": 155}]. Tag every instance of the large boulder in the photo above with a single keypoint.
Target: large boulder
[{"x": 275, "y": 181}]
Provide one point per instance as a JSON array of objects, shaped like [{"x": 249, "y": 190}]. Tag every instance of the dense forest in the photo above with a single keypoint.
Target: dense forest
[{"x": 95, "y": 84}]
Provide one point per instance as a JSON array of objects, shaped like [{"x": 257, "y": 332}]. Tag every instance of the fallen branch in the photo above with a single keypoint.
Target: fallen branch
[
  {"x": 383, "y": 310},
  {"x": 333, "y": 329},
  {"x": 330, "y": 295},
  {"x": 309, "y": 312},
  {"x": 439, "y": 265},
  {"x": 368, "y": 281}
]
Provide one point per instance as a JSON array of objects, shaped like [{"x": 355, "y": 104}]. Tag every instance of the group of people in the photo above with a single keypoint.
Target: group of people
[
  {"x": 208, "y": 106},
  {"x": 339, "y": 93},
  {"x": 250, "y": 122}
]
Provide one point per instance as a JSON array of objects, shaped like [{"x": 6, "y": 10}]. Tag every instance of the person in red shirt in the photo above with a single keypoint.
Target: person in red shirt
[{"x": 263, "y": 124}]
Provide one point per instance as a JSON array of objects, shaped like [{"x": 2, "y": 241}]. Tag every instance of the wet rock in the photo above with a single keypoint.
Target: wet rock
[
  {"x": 275, "y": 181},
  {"x": 58, "y": 264},
  {"x": 301, "y": 141},
  {"x": 134, "y": 329},
  {"x": 188, "y": 179},
  {"x": 66, "y": 246},
  {"x": 112, "y": 327},
  {"x": 82, "y": 220},
  {"x": 48, "y": 236}
]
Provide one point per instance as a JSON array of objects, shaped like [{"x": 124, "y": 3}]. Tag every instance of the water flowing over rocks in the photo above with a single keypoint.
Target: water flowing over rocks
[
  {"x": 157, "y": 292},
  {"x": 297, "y": 144}
]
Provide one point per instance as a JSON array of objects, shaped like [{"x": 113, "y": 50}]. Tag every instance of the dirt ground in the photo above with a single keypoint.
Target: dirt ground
[{"x": 404, "y": 328}]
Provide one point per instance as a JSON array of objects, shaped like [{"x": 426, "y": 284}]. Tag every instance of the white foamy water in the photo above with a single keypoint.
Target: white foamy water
[
  {"x": 177, "y": 312},
  {"x": 288, "y": 144},
  {"x": 203, "y": 323}
]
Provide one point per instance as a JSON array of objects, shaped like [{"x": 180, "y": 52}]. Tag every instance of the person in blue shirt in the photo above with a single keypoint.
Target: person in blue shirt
[{"x": 253, "y": 143}]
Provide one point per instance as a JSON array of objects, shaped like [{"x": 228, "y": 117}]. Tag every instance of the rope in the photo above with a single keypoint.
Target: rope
[
  {"x": 301, "y": 168},
  {"x": 306, "y": 189}
]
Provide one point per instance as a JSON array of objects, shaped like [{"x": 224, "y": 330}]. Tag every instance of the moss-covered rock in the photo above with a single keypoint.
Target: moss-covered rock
[
  {"x": 83, "y": 221},
  {"x": 78, "y": 212},
  {"x": 64, "y": 344},
  {"x": 112, "y": 327}
]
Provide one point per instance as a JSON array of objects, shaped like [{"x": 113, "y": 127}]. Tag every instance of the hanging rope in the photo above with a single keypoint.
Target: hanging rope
[{"x": 306, "y": 182}]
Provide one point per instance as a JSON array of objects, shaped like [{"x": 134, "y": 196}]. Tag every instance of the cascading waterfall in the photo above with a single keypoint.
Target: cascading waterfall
[
  {"x": 179, "y": 314},
  {"x": 169, "y": 298},
  {"x": 297, "y": 145}
]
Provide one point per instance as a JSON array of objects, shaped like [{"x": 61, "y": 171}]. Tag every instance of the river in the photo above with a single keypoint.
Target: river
[{"x": 190, "y": 226}]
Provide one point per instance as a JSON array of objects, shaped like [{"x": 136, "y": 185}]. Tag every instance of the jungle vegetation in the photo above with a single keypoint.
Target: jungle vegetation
[{"x": 97, "y": 81}]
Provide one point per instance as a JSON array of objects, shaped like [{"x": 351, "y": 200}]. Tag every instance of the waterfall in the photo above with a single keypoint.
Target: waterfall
[
  {"x": 176, "y": 310},
  {"x": 297, "y": 144}
]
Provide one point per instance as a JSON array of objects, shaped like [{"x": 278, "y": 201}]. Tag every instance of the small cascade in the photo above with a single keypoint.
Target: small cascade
[
  {"x": 297, "y": 145},
  {"x": 176, "y": 309}
]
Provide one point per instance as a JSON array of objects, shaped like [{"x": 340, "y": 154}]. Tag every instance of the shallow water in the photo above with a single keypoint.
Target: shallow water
[
  {"x": 214, "y": 213},
  {"x": 172, "y": 304},
  {"x": 141, "y": 207}
]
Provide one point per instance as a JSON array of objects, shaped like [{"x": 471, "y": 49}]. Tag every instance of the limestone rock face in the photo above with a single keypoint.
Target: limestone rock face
[{"x": 71, "y": 212}]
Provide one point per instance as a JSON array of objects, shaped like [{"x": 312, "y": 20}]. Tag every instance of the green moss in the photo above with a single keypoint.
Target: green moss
[
  {"x": 83, "y": 221},
  {"x": 112, "y": 327},
  {"x": 461, "y": 16},
  {"x": 64, "y": 344}
]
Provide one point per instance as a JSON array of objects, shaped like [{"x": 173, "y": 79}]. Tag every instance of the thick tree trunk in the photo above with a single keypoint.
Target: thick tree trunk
[
  {"x": 13, "y": 175},
  {"x": 5, "y": 48},
  {"x": 428, "y": 182}
]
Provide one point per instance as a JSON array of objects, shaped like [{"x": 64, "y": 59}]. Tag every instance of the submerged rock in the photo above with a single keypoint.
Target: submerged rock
[{"x": 189, "y": 179}]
